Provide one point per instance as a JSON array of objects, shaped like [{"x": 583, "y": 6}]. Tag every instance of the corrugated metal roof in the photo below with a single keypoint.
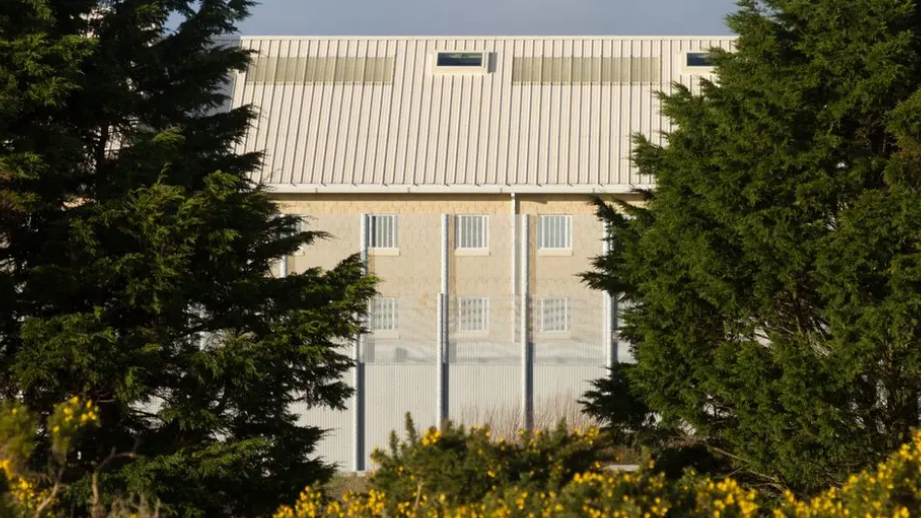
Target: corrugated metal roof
[{"x": 549, "y": 114}]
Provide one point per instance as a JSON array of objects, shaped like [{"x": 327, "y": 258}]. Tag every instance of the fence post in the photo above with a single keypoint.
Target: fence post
[
  {"x": 610, "y": 347},
  {"x": 358, "y": 371},
  {"x": 527, "y": 360},
  {"x": 513, "y": 285},
  {"x": 443, "y": 323}
]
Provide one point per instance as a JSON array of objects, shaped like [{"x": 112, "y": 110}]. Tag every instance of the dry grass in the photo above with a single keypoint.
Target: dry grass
[
  {"x": 345, "y": 482},
  {"x": 129, "y": 508},
  {"x": 505, "y": 420}
]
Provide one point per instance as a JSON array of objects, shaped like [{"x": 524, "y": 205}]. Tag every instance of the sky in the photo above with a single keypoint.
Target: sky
[{"x": 489, "y": 17}]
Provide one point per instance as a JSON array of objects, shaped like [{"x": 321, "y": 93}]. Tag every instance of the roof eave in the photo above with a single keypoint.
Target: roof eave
[
  {"x": 486, "y": 37},
  {"x": 454, "y": 189}
]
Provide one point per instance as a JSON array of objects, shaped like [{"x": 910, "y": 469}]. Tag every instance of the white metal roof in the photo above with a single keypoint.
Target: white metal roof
[{"x": 372, "y": 114}]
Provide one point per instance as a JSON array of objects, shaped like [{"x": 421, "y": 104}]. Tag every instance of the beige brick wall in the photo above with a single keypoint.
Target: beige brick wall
[
  {"x": 414, "y": 275},
  {"x": 393, "y": 203},
  {"x": 317, "y": 204}
]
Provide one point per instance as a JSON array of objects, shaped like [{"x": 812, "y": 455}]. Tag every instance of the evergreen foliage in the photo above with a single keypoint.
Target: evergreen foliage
[
  {"x": 774, "y": 275},
  {"x": 135, "y": 257}
]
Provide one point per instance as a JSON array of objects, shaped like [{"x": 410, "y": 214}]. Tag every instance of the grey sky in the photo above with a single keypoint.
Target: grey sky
[{"x": 489, "y": 17}]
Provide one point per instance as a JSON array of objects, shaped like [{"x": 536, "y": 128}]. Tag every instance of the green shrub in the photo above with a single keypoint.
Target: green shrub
[
  {"x": 437, "y": 476},
  {"x": 465, "y": 464},
  {"x": 594, "y": 494}
]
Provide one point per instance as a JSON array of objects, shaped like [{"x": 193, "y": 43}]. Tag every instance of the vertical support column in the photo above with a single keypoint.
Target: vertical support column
[
  {"x": 443, "y": 324},
  {"x": 358, "y": 371},
  {"x": 513, "y": 289},
  {"x": 527, "y": 360},
  {"x": 607, "y": 332}
]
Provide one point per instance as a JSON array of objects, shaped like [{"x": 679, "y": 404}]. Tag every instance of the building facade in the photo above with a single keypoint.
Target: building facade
[{"x": 461, "y": 169}]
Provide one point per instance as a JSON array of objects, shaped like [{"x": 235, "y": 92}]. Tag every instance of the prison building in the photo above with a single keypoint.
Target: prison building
[{"x": 462, "y": 169}]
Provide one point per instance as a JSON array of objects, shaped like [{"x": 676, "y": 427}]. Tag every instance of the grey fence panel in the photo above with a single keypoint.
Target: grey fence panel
[
  {"x": 393, "y": 390},
  {"x": 336, "y": 445},
  {"x": 486, "y": 394},
  {"x": 557, "y": 390}
]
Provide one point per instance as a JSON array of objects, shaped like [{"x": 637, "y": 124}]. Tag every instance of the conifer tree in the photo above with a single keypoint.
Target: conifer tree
[
  {"x": 774, "y": 273},
  {"x": 135, "y": 255}
]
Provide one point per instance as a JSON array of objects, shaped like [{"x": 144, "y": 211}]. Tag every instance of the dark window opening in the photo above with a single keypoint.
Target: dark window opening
[
  {"x": 699, "y": 59},
  {"x": 460, "y": 59}
]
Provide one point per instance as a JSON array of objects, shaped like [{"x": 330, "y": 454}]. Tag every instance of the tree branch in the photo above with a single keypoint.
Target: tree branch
[
  {"x": 52, "y": 495},
  {"x": 96, "y": 508}
]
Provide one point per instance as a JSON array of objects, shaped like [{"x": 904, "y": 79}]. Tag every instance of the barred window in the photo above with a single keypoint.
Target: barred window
[
  {"x": 471, "y": 232},
  {"x": 555, "y": 232},
  {"x": 383, "y": 313},
  {"x": 554, "y": 315},
  {"x": 473, "y": 314},
  {"x": 383, "y": 231}
]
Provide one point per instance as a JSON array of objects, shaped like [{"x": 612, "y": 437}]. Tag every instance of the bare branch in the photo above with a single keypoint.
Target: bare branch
[
  {"x": 52, "y": 495},
  {"x": 96, "y": 509}
]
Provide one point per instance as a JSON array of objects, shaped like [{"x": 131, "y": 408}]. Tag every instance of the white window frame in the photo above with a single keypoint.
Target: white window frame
[
  {"x": 384, "y": 310},
  {"x": 301, "y": 227},
  {"x": 477, "y": 304},
  {"x": 542, "y": 320},
  {"x": 381, "y": 242},
  {"x": 482, "y": 69},
  {"x": 466, "y": 242},
  {"x": 543, "y": 237}
]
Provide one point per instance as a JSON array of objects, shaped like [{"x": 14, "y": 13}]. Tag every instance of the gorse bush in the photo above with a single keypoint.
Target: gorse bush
[
  {"x": 27, "y": 492},
  {"x": 893, "y": 490},
  {"x": 466, "y": 464},
  {"x": 462, "y": 472},
  {"x": 30, "y": 491},
  {"x": 458, "y": 473}
]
